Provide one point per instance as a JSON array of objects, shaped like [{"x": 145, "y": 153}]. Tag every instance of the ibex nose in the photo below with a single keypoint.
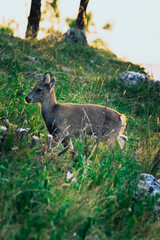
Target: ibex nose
[{"x": 28, "y": 100}]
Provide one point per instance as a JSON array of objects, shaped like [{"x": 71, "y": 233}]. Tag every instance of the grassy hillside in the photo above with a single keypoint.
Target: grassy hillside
[{"x": 36, "y": 200}]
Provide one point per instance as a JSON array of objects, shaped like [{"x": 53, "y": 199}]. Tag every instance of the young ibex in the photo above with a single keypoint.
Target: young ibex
[{"x": 66, "y": 120}]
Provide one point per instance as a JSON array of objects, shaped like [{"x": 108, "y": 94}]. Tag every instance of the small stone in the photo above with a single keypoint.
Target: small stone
[
  {"x": 34, "y": 141},
  {"x": 22, "y": 132},
  {"x": 3, "y": 134},
  {"x": 33, "y": 59},
  {"x": 66, "y": 69},
  {"x": 3, "y": 129}
]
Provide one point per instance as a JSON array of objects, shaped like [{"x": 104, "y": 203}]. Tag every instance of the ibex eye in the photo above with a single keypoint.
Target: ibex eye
[{"x": 39, "y": 90}]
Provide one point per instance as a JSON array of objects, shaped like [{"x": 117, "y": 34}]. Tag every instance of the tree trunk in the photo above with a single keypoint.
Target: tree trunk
[
  {"x": 80, "y": 22},
  {"x": 34, "y": 19}
]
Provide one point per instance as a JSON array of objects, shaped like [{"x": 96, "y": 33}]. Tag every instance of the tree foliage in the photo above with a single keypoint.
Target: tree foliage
[{"x": 54, "y": 5}]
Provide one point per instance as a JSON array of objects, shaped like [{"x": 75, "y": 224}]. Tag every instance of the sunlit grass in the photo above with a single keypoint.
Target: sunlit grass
[{"x": 36, "y": 200}]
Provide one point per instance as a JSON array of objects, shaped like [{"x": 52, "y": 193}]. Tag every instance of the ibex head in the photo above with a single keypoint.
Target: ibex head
[{"x": 41, "y": 90}]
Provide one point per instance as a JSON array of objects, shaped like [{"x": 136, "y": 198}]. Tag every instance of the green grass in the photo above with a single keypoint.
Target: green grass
[{"x": 36, "y": 200}]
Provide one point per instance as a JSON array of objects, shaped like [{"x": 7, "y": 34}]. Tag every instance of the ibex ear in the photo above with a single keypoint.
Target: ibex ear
[
  {"x": 52, "y": 82},
  {"x": 47, "y": 79}
]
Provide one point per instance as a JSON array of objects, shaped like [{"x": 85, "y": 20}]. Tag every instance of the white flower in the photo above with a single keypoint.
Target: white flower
[{"x": 69, "y": 175}]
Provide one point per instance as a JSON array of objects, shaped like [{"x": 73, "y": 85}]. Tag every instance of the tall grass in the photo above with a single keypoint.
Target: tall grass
[{"x": 36, "y": 199}]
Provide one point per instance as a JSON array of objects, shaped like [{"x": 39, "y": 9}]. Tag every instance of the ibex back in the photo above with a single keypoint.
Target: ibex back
[{"x": 66, "y": 120}]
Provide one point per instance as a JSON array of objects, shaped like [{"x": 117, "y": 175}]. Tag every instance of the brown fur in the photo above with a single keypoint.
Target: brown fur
[{"x": 65, "y": 120}]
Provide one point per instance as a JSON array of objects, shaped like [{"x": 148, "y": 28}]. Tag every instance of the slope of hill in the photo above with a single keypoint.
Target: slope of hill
[{"x": 36, "y": 199}]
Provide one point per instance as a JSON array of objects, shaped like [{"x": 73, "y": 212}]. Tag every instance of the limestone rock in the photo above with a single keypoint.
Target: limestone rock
[
  {"x": 132, "y": 78},
  {"x": 148, "y": 185},
  {"x": 75, "y": 35},
  {"x": 22, "y": 132},
  {"x": 34, "y": 141},
  {"x": 3, "y": 134},
  {"x": 66, "y": 69},
  {"x": 3, "y": 129}
]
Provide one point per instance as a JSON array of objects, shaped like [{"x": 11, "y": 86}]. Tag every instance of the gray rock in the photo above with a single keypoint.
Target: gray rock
[
  {"x": 66, "y": 69},
  {"x": 22, "y": 132},
  {"x": 33, "y": 59},
  {"x": 148, "y": 185},
  {"x": 75, "y": 35},
  {"x": 158, "y": 182},
  {"x": 3, "y": 129},
  {"x": 3, "y": 134},
  {"x": 132, "y": 78},
  {"x": 34, "y": 141}
]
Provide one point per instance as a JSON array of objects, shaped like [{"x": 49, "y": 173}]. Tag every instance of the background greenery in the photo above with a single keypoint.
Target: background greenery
[{"x": 36, "y": 200}]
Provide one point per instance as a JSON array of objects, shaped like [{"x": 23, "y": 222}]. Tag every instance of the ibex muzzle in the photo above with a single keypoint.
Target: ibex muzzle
[{"x": 66, "y": 120}]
